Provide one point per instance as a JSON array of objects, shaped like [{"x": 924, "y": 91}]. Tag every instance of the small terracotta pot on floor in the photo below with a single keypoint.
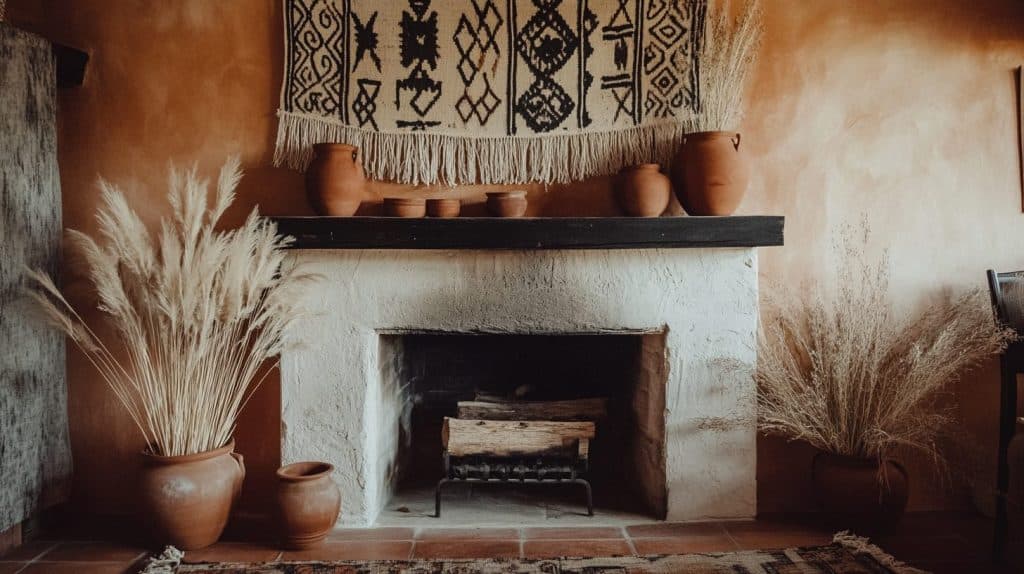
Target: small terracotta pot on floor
[
  {"x": 308, "y": 503},
  {"x": 858, "y": 494},
  {"x": 642, "y": 190},
  {"x": 710, "y": 175},
  {"x": 187, "y": 499}
]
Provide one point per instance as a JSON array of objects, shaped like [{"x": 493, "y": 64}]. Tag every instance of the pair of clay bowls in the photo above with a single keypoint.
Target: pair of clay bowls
[{"x": 419, "y": 207}]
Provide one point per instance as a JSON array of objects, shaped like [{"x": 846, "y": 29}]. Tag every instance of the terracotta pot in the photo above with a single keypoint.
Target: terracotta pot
[
  {"x": 711, "y": 174},
  {"x": 308, "y": 503},
  {"x": 443, "y": 207},
  {"x": 506, "y": 203},
  {"x": 643, "y": 191},
  {"x": 852, "y": 495},
  {"x": 187, "y": 499},
  {"x": 335, "y": 180},
  {"x": 405, "y": 207}
]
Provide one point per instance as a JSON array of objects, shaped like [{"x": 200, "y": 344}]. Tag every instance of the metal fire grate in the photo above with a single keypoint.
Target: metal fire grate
[{"x": 535, "y": 469}]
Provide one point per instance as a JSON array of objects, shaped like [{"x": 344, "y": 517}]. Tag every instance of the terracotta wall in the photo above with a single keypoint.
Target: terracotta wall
[{"x": 902, "y": 111}]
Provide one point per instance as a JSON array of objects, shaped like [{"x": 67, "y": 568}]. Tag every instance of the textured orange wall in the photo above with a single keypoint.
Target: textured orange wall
[{"x": 899, "y": 110}]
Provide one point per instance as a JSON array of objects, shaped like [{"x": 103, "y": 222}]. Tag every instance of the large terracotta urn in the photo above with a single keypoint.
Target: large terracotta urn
[
  {"x": 860, "y": 494},
  {"x": 335, "y": 180},
  {"x": 186, "y": 500},
  {"x": 642, "y": 190},
  {"x": 308, "y": 503},
  {"x": 711, "y": 174}
]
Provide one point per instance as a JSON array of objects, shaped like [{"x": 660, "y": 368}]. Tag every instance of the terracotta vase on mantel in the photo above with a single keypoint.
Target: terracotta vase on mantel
[
  {"x": 710, "y": 173},
  {"x": 642, "y": 190},
  {"x": 335, "y": 180}
]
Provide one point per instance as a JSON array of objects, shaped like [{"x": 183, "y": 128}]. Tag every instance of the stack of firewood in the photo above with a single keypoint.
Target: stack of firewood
[{"x": 497, "y": 427}]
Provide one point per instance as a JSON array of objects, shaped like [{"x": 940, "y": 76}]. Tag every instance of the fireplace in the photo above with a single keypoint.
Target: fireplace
[
  {"x": 684, "y": 320},
  {"x": 426, "y": 376}
]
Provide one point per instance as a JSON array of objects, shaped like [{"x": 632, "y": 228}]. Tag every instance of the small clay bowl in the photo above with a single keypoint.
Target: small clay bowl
[
  {"x": 405, "y": 207},
  {"x": 506, "y": 203},
  {"x": 443, "y": 207}
]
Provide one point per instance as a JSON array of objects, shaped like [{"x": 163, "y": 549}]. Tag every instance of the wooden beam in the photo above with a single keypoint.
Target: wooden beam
[
  {"x": 466, "y": 437},
  {"x": 532, "y": 232},
  {"x": 574, "y": 410}
]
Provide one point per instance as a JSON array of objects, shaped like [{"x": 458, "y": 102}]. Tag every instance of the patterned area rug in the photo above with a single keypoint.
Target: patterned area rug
[
  {"x": 847, "y": 555},
  {"x": 490, "y": 91}
]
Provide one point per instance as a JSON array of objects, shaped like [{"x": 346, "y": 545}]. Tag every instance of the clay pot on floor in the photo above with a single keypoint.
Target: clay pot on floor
[
  {"x": 710, "y": 174},
  {"x": 187, "y": 499},
  {"x": 308, "y": 503},
  {"x": 853, "y": 497},
  {"x": 506, "y": 203},
  {"x": 642, "y": 190},
  {"x": 335, "y": 180}
]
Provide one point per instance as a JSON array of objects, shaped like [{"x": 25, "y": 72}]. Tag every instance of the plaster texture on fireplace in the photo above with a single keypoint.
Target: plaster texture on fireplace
[{"x": 336, "y": 407}]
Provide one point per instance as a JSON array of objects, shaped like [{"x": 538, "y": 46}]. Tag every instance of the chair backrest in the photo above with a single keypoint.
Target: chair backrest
[{"x": 1007, "y": 291}]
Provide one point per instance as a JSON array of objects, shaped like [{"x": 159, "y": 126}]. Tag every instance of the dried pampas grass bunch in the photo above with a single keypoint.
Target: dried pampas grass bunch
[
  {"x": 195, "y": 311},
  {"x": 728, "y": 52},
  {"x": 847, "y": 376}
]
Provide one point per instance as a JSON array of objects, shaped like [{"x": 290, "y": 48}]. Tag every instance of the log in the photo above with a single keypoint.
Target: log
[
  {"x": 467, "y": 437},
  {"x": 574, "y": 410}
]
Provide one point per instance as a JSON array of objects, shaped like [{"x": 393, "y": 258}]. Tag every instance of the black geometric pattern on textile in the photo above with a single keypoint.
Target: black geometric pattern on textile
[
  {"x": 365, "y": 104},
  {"x": 482, "y": 108},
  {"x": 671, "y": 34},
  {"x": 475, "y": 37},
  {"x": 546, "y": 43},
  {"x": 588, "y": 25},
  {"x": 621, "y": 31},
  {"x": 418, "y": 50},
  {"x": 366, "y": 41},
  {"x": 544, "y": 105},
  {"x": 416, "y": 125},
  {"x": 316, "y": 60}
]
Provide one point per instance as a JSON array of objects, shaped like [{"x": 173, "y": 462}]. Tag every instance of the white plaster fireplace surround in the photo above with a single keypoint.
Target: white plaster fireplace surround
[{"x": 336, "y": 409}]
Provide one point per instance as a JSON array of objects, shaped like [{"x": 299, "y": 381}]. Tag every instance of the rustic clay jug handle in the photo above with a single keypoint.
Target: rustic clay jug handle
[
  {"x": 240, "y": 460},
  {"x": 736, "y": 142}
]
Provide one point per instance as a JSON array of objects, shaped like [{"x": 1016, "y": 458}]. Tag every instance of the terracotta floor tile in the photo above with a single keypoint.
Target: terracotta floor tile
[
  {"x": 572, "y": 533},
  {"x": 234, "y": 552},
  {"x": 29, "y": 550},
  {"x": 79, "y": 568},
  {"x": 684, "y": 544},
  {"x": 468, "y": 534},
  {"x": 94, "y": 552},
  {"x": 466, "y": 549},
  {"x": 391, "y": 533},
  {"x": 11, "y": 567},
  {"x": 771, "y": 534},
  {"x": 673, "y": 529},
  {"x": 931, "y": 548},
  {"x": 354, "y": 550},
  {"x": 575, "y": 548}
]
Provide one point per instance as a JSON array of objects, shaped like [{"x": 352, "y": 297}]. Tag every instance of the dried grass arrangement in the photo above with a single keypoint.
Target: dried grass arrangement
[
  {"x": 728, "y": 53},
  {"x": 849, "y": 377},
  {"x": 195, "y": 311}
]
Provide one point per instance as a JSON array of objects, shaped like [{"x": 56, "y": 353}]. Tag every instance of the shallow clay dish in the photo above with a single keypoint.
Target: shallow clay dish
[
  {"x": 506, "y": 203},
  {"x": 443, "y": 207},
  {"x": 405, "y": 207}
]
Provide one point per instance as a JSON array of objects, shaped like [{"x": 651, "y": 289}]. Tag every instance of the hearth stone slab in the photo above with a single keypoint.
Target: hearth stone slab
[{"x": 337, "y": 407}]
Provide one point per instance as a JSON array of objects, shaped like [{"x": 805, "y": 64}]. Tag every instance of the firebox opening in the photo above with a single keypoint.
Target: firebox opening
[{"x": 425, "y": 375}]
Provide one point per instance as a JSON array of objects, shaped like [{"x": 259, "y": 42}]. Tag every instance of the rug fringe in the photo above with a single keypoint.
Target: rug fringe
[
  {"x": 436, "y": 158},
  {"x": 164, "y": 563},
  {"x": 861, "y": 545}
]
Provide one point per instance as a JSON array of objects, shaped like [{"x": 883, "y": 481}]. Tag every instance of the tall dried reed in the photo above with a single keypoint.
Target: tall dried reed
[
  {"x": 728, "y": 52},
  {"x": 846, "y": 375},
  {"x": 195, "y": 311}
]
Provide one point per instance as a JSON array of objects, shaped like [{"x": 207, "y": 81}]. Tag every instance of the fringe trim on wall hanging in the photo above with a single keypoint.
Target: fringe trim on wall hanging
[{"x": 489, "y": 91}]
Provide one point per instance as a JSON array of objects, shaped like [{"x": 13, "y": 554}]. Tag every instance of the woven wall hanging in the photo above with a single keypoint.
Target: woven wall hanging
[{"x": 489, "y": 91}]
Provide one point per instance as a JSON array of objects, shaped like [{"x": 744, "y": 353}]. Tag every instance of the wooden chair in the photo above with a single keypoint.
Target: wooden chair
[{"x": 1009, "y": 311}]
